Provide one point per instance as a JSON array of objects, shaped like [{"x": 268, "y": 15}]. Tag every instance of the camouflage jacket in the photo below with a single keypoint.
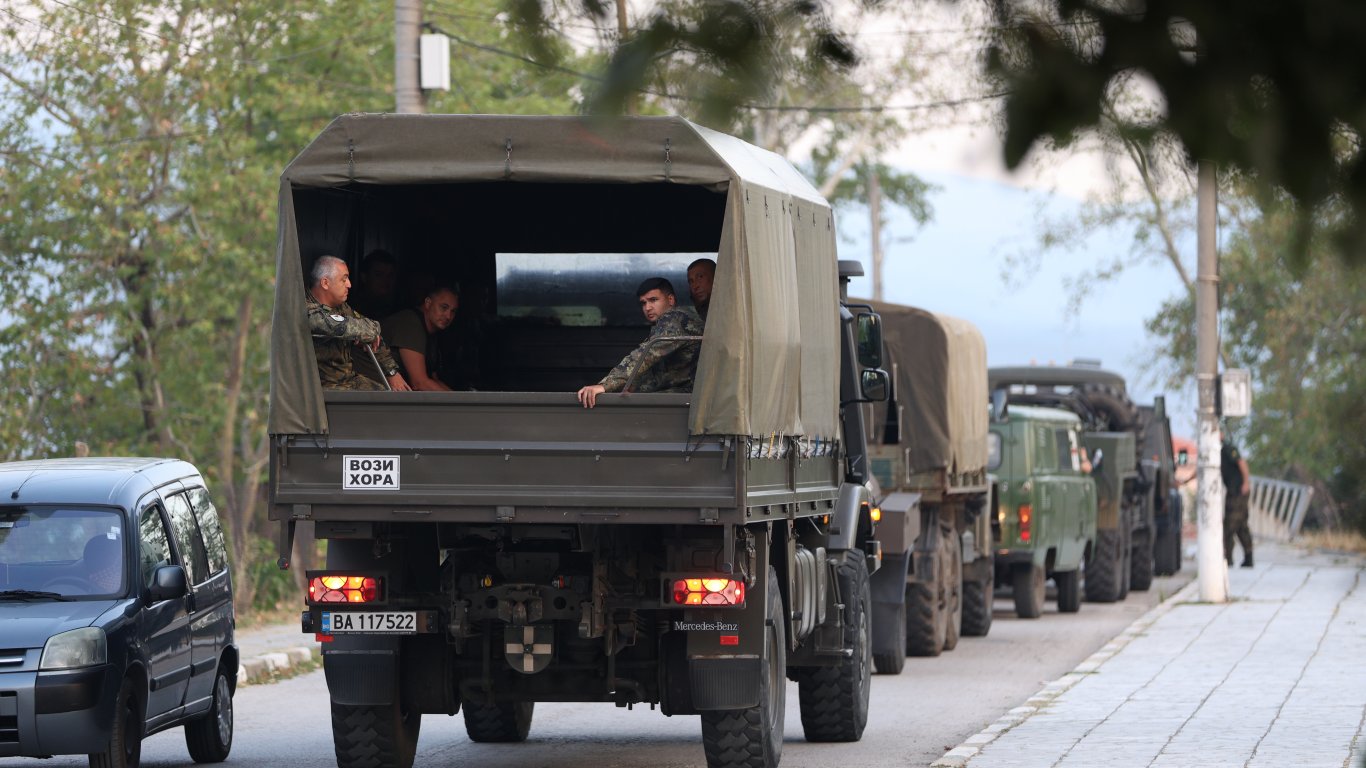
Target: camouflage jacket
[
  {"x": 335, "y": 334},
  {"x": 661, "y": 365}
]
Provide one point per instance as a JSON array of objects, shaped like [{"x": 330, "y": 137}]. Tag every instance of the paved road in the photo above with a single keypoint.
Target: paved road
[{"x": 932, "y": 706}]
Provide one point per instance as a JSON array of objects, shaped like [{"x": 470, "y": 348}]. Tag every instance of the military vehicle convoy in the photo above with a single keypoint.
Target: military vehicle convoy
[
  {"x": 1127, "y": 488},
  {"x": 928, "y": 449},
  {"x": 1045, "y": 516},
  {"x": 493, "y": 549}
]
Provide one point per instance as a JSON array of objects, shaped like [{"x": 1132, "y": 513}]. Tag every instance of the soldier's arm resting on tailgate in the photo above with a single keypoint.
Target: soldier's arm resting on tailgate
[{"x": 415, "y": 363}]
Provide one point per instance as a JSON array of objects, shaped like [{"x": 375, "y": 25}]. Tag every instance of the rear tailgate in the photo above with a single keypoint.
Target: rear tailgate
[{"x": 499, "y": 457}]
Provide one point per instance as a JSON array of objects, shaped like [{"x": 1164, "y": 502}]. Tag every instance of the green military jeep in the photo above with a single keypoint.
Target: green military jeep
[{"x": 1045, "y": 505}]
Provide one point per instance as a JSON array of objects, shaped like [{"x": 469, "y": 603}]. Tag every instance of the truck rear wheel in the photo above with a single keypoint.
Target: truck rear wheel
[
  {"x": 375, "y": 736},
  {"x": 924, "y": 621},
  {"x": 1029, "y": 591},
  {"x": 497, "y": 723},
  {"x": 753, "y": 737},
  {"x": 1141, "y": 572},
  {"x": 1069, "y": 590},
  {"x": 1103, "y": 568},
  {"x": 892, "y": 662},
  {"x": 977, "y": 599},
  {"x": 834, "y": 700}
]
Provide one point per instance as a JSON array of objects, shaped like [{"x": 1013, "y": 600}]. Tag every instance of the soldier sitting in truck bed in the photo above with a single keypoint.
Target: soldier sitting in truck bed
[
  {"x": 663, "y": 362},
  {"x": 335, "y": 326}
]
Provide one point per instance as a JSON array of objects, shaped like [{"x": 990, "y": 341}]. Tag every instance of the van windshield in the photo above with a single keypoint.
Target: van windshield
[{"x": 70, "y": 552}]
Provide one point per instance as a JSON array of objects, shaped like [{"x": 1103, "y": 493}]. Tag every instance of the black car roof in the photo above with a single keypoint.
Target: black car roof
[{"x": 119, "y": 481}]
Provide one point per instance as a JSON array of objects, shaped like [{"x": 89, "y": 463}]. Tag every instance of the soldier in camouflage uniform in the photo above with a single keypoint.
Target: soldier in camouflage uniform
[
  {"x": 336, "y": 327},
  {"x": 662, "y": 363}
]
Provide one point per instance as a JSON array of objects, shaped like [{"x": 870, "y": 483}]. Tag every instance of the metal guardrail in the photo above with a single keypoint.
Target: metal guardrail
[{"x": 1276, "y": 508}]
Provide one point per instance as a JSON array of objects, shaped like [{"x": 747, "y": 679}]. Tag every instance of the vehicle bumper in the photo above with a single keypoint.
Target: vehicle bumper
[
  {"x": 56, "y": 713},
  {"x": 1007, "y": 558}
]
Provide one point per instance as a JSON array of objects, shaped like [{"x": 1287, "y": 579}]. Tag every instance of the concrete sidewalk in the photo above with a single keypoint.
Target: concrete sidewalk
[{"x": 1275, "y": 677}]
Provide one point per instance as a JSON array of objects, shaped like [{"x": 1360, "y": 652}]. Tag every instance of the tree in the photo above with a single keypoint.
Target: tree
[
  {"x": 1302, "y": 333},
  {"x": 142, "y": 146}
]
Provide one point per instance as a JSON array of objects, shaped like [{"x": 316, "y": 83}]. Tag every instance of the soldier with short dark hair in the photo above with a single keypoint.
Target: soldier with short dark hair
[
  {"x": 336, "y": 328},
  {"x": 1237, "y": 484},
  {"x": 667, "y": 360},
  {"x": 413, "y": 333},
  {"x": 701, "y": 274}
]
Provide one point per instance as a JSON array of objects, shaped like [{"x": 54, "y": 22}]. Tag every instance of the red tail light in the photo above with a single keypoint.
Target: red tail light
[
  {"x": 708, "y": 591},
  {"x": 344, "y": 589},
  {"x": 1026, "y": 515}
]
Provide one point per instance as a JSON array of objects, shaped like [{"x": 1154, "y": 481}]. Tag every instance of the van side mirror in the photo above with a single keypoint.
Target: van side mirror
[
  {"x": 870, "y": 340},
  {"x": 874, "y": 384},
  {"x": 168, "y": 583}
]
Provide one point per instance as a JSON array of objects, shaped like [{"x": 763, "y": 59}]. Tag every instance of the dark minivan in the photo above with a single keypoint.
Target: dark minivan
[{"x": 116, "y": 616}]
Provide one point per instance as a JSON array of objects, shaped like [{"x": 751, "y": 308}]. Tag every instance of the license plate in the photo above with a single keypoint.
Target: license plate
[{"x": 369, "y": 622}]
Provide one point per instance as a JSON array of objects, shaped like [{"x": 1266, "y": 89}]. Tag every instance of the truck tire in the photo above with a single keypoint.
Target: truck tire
[
  {"x": 375, "y": 736},
  {"x": 1069, "y": 590},
  {"x": 1029, "y": 590},
  {"x": 1103, "y": 568},
  {"x": 1113, "y": 408},
  {"x": 1126, "y": 553},
  {"x": 209, "y": 739},
  {"x": 495, "y": 723},
  {"x": 977, "y": 599},
  {"x": 953, "y": 584},
  {"x": 924, "y": 621},
  {"x": 892, "y": 662},
  {"x": 753, "y": 737},
  {"x": 834, "y": 700},
  {"x": 1141, "y": 571}
]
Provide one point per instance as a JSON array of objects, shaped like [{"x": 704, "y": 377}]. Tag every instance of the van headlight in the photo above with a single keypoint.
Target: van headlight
[{"x": 77, "y": 648}]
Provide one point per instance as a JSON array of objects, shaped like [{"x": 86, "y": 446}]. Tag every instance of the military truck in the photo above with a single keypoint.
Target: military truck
[
  {"x": 928, "y": 447},
  {"x": 1045, "y": 516},
  {"x": 1160, "y": 464},
  {"x": 490, "y": 549},
  {"x": 1126, "y": 527}
]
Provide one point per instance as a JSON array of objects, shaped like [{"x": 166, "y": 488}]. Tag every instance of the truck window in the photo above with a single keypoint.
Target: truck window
[
  {"x": 584, "y": 289},
  {"x": 215, "y": 547},
  {"x": 1067, "y": 450},
  {"x": 1045, "y": 455}
]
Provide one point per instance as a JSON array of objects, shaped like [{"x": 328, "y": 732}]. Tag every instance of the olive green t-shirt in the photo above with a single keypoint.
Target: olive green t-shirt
[{"x": 405, "y": 330}]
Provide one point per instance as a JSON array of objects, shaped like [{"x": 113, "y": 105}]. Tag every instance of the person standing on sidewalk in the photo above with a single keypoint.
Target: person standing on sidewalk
[{"x": 1237, "y": 485}]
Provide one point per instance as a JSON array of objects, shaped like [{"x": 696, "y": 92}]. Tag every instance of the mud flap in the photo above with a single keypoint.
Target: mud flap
[
  {"x": 888, "y": 588},
  {"x": 726, "y": 648},
  {"x": 361, "y": 672}
]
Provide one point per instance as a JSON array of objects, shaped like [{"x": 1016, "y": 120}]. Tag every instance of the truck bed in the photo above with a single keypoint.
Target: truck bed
[{"x": 533, "y": 458}]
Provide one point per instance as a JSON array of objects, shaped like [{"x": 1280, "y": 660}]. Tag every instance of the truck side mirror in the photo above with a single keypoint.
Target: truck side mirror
[
  {"x": 1097, "y": 461},
  {"x": 1183, "y": 457},
  {"x": 998, "y": 404},
  {"x": 168, "y": 583},
  {"x": 874, "y": 385},
  {"x": 870, "y": 340}
]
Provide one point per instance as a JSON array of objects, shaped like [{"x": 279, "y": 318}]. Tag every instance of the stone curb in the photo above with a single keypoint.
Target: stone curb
[
  {"x": 269, "y": 667},
  {"x": 959, "y": 756}
]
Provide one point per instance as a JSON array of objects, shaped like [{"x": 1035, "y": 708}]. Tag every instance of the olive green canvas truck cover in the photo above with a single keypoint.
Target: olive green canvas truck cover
[{"x": 768, "y": 377}]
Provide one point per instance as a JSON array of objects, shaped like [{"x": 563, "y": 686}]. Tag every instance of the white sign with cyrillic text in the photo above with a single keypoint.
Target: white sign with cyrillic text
[{"x": 370, "y": 473}]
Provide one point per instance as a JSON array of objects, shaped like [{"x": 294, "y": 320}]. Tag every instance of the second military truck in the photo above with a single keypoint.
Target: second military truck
[
  {"x": 928, "y": 447},
  {"x": 493, "y": 549}
]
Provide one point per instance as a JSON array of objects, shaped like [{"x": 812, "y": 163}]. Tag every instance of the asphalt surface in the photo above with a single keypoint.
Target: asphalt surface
[{"x": 915, "y": 717}]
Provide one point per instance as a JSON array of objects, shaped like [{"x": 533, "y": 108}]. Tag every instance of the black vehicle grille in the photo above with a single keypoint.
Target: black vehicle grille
[{"x": 9, "y": 717}]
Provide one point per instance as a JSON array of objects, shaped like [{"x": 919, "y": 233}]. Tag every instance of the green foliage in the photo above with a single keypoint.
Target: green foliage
[
  {"x": 1302, "y": 333},
  {"x": 1274, "y": 91},
  {"x": 140, "y": 150}
]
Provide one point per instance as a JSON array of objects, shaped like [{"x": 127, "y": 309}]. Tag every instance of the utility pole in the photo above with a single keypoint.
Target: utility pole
[
  {"x": 1209, "y": 500},
  {"x": 632, "y": 103},
  {"x": 407, "y": 29},
  {"x": 875, "y": 234}
]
